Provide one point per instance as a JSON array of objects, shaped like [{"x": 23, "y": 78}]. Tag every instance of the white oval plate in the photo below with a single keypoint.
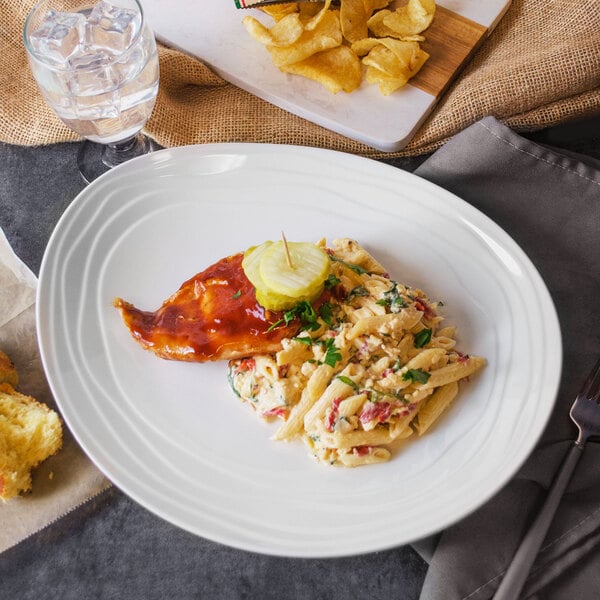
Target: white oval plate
[{"x": 174, "y": 438}]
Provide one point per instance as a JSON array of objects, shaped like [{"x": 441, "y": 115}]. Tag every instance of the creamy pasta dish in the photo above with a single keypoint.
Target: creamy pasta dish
[{"x": 373, "y": 363}]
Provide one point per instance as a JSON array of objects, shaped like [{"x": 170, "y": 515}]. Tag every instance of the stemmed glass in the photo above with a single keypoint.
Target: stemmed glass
[{"x": 97, "y": 67}]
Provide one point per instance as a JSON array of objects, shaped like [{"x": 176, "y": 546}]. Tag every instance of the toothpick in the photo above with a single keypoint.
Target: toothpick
[{"x": 287, "y": 251}]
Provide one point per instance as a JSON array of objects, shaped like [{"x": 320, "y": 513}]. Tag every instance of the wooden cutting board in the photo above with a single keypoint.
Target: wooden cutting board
[
  {"x": 212, "y": 31},
  {"x": 450, "y": 41}
]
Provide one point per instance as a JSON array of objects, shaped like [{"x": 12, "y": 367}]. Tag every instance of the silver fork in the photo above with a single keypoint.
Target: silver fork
[{"x": 585, "y": 413}]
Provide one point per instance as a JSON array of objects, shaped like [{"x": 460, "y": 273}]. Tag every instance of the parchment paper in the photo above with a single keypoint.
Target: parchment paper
[{"x": 65, "y": 480}]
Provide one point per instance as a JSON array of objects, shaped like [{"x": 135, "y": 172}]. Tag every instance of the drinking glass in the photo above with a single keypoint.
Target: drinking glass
[{"x": 97, "y": 67}]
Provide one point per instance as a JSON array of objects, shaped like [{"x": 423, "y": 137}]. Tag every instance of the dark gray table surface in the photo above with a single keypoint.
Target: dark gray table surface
[{"x": 113, "y": 548}]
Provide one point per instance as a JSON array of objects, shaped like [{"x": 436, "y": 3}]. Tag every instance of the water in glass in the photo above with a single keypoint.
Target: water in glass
[{"x": 98, "y": 69}]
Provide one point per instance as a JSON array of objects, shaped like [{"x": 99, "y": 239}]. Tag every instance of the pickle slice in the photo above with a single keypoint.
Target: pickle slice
[
  {"x": 264, "y": 296},
  {"x": 304, "y": 279},
  {"x": 273, "y": 301},
  {"x": 251, "y": 264}
]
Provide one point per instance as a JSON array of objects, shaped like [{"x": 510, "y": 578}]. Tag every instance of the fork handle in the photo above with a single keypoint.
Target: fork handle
[{"x": 516, "y": 574}]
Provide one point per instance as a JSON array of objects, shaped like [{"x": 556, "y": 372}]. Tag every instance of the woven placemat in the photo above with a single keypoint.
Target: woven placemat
[{"x": 540, "y": 67}]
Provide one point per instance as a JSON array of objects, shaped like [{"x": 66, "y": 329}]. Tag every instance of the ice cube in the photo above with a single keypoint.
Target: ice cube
[
  {"x": 102, "y": 106},
  {"x": 59, "y": 36},
  {"x": 91, "y": 73},
  {"x": 112, "y": 27}
]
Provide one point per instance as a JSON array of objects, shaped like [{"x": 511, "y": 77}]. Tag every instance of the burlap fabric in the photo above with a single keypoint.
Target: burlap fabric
[{"x": 540, "y": 67}]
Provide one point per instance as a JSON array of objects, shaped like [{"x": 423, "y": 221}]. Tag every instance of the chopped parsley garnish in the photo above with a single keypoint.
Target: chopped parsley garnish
[
  {"x": 288, "y": 317},
  {"x": 307, "y": 315},
  {"x": 356, "y": 268},
  {"x": 303, "y": 311},
  {"x": 416, "y": 376},
  {"x": 392, "y": 299},
  {"x": 360, "y": 291},
  {"x": 332, "y": 352},
  {"x": 422, "y": 338},
  {"x": 348, "y": 381},
  {"x": 237, "y": 294},
  {"x": 326, "y": 313},
  {"x": 377, "y": 395},
  {"x": 332, "y": 281},
  {"x": 230, "y": 378}
]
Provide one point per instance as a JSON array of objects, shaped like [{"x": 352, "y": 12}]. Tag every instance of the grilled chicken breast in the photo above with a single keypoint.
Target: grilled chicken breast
[{"x": 213, "y": 316}]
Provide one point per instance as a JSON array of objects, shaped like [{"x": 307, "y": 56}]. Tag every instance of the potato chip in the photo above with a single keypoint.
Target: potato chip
[
  {"x": 364, "y": 46},
  {"x": 287, "y": 30},
  {"x": 406, "y": 22},
  {"x": 309, "y": 39},
  {"x": 309, "y": 9},
  {"x": 390, "y": 62},
  {"x": 337, "y": 69},
  {"x": 373, "y": 5},
  {"x": 418, "y": 59},
  {"x": 411, "y": 19},
  {"x": 387, "y": 84},
  {"x": 327, "y": 34},
  {"x": 313, "y": 21},
  {"x": 422, "y": 12},
  {"x": 284, "y": 33},
  {"x": 376, "y": 26},
  {"x": 257, "y": 30},
  {"x": 353, "y": 20},
  {"x": 354, "y": 15},
  {"x": 405, "y": 52},
  {"x": 386, "y": 61},
  {"x": 278, "y": 11},
  {"x": 412, "y": 38},
  {"x": 409, "y": 54}
]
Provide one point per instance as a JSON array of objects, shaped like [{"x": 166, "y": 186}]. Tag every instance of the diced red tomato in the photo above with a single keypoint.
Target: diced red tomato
[
  {"x": 332, "y": 414},
  {"x": 379, "y": 411},
  {"x": 277, "y": 411},
  {"x": 425, "y": 308},
  {"x": 462, "y": 358},
  {"x": 246, "y": 364},
  {"x": 361, "y": 450}
]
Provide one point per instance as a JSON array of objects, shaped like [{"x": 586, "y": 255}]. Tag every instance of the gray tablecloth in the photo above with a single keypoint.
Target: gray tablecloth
[
  {"x": 111, "y": 548},
  {"x": 550, "y": 204}
]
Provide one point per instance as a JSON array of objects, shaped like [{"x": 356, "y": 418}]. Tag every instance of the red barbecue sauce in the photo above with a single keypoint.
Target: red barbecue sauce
[{"x": 214, "y": 315}]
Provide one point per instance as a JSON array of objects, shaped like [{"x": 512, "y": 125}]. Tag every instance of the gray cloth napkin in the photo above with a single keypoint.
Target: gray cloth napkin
[{"x": 549, "y": 203}]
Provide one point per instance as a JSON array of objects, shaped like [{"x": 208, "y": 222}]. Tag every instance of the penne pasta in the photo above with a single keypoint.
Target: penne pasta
[
  {"x": 315, "y": 387},
  {"x": 337, "y": 389},
  {"x": 371, "y": 457},
  {"x": 375, "y": 437},
  {"x": 455, "y": 371},
  {"x": 435, "y": 406},
  {"x": 294, "y": 352},
  {"x": 350, "y": 406},
  {"x": 379, "y": 368}
]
